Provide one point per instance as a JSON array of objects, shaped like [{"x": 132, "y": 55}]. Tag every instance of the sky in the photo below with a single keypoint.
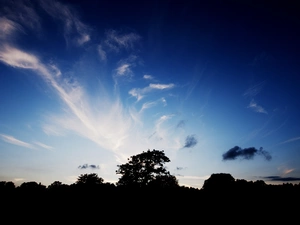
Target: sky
[{"x": 84, "y": 85}]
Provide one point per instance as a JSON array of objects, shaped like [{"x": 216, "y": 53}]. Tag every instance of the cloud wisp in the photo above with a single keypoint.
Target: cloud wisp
[
  {"x": 245, "y": 153},
  {"x": 283, "y": 179},
  {"x": 116, "y": 41},
  {"x": 256, "y": 108},
  {"x": 254, "y": 90},
  {"x": 72, "y": 24},
  {"x": 140, "y": 93},
  {"x": 89, "y": 166},
  {"x": 15, "y": 141},
  {"x": 290, "y": 140},
  {"x": 190, "y": 141}
]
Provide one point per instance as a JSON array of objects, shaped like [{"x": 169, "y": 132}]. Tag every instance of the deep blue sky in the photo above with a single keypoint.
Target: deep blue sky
[{"x": 86, "y": 84}]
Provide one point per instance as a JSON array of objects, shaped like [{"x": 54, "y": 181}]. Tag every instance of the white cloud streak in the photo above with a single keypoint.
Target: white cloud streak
[
  {"x": 290, "y": 140},
  {"x": 139, "y": 93},
  {"x": 43, "y": 145},
  {"x": 257, "y": 108},
  {"x": 15, "y": 141}
]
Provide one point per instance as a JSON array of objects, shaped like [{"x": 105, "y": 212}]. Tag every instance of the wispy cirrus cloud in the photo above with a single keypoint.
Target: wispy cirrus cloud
[
  {"x": 99, "y": 126},
  {"x": 72, "y": 23},
  {"x": 8, "y": 28},
  {"x": 256, "y": 108},
  {"x": 107, "y": 121},
  {"x": 115, "y": 40},
  {"x": 290, "y": 140},
  {"x": 22, "y": 13},
  {"x": 139, "y": 93},
  {"x": 254, "y": 90},
  {"x": 15, "y": 141},
  {"x": 102, "y": 53},
  {"x": 123, "y": 69},
  {"x": 43, "y": 145}
]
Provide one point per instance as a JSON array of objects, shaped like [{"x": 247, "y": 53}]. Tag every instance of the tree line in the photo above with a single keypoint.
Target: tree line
[
  {"x": 147, "y": 171},
  {"x": 147, "y": 193}
]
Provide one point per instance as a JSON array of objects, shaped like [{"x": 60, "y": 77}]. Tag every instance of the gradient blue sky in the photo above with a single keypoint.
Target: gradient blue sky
[{"x": 86, "y": 84}]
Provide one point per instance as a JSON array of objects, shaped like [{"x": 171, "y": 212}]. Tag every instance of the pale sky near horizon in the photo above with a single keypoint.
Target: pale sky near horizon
[{"x": 86, "y": 84}]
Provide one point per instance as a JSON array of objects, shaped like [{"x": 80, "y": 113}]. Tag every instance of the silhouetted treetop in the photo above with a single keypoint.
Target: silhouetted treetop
[
  {"x": 218, "y": 181},
  {"x": 144, "y": 169},
  {"x": 89, "y": 179}
]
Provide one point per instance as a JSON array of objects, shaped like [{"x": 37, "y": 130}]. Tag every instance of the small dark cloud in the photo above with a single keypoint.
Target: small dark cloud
[
  {"x": 279, "y": 178},
  {"x": 86, "y": 166},
  {"x": 190, "y": 141},
  {"x": 245, "y": 153},
  {"x": 180, "y": 124}
]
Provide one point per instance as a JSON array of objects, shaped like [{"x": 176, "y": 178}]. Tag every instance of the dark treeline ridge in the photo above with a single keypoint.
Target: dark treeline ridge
[
  {"x": 220, "y": 194},
  {"x": 146, "y": 192}
]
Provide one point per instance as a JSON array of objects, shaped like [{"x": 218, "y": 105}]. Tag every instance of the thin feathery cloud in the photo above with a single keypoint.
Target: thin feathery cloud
[
  {"x": 116, "y": 41},
  {"x": 290, "y": 140},
  {"x": 15, "y": 141},
  {"x": 148, "y": 105},
  {"x": 194, "y": 82},
  {"x": 139, "y": 93},
  {"x": 23, "y": 13},
  {"x": 256, "y": 108},
  {"x": 102, "y": 53},
  {"x": 43, "y": 145},
  {"x": 71, "y": 22},
  {"x": 160, "y": 132},
  {"x": 287, "y": 171},
  {"x": 8, "y": 28},
  {"x": 123, "y": 69},
  {"x": 254, "y": 90}
]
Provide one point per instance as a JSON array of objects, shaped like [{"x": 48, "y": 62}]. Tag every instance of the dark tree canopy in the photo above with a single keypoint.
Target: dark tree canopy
[
  {"x": 89, "y": 179},
  {"x": 146, "y": 169},
  {"x": 219, "y": 181}
]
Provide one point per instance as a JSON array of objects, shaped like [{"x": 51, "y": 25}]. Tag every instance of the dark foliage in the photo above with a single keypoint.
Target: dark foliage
[
  {"x": 146, "y": 169},
  {"x": 149, "y": 194}
]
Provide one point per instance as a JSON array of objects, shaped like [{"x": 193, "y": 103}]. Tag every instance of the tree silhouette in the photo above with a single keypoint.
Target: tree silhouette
[
  {"x": 219, "y": 181},
  {"x": 146, "y": 169},
  {"x": 91, "y": 179}
]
